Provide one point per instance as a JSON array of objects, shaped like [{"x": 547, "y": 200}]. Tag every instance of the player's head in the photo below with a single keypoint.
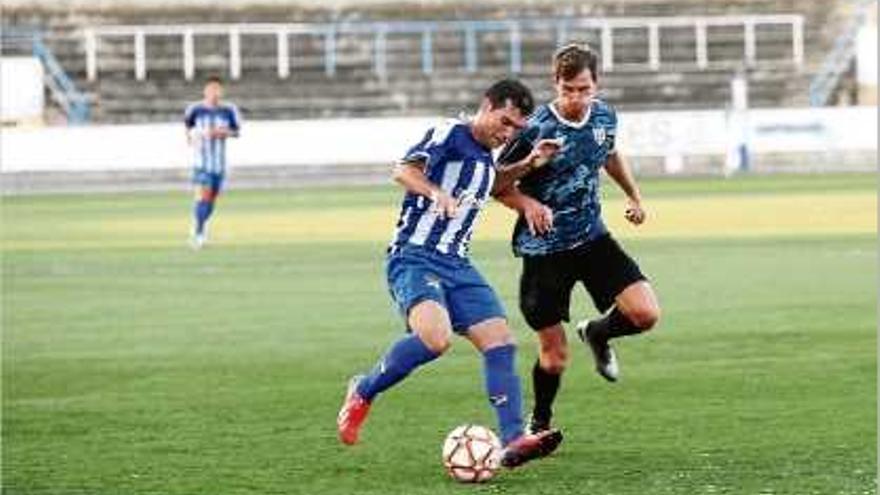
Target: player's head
[
  {"x": 505, "y": 107},
  {"x": 213, "y": 90},
  {"x": 575, "y": 76}
]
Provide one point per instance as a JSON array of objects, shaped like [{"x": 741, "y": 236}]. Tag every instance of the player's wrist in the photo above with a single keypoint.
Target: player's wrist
[{"x": 536, "y": 161}]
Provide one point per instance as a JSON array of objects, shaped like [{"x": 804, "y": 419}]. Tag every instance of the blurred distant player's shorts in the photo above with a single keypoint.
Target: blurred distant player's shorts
[{"x": 208, "y": 179}]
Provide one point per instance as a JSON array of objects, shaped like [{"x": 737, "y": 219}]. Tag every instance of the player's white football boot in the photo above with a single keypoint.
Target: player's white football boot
[
  {"x": 197, "y": 241},
  {"x": 603, "y": 354}
]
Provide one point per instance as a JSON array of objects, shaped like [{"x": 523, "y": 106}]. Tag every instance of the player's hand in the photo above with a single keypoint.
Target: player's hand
[
  {"x": 443, "y": 204},
  {"x": 634, "y": 213},
  {"x": 219, "y": 133},
  {"x": 543, "y": 152},
  {"x": 538, "y": 217}
]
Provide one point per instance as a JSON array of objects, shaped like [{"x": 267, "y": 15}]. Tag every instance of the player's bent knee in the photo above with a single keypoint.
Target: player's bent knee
[
  {"x": 437, "y": 340},
  {"x": 553, "y": 364},
  {"x": 645, "y": 318},
  {"x": 536, "y": 317}
]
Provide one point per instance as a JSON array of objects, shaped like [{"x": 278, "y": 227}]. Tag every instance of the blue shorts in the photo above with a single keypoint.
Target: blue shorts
[
  {"x": 209, "y": 180},
  {"x": 416, "y": 274}
]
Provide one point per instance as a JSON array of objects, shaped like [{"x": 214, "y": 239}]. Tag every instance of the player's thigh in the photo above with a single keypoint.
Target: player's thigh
[
  {"x": 471, "y": 300},
  {"x": 545, "y": 289},
  {"x": 430, "y": 321},
  {"x": 490, "y": 333},
  {"x": 217, "y": 181},
  {"x": 206, "y": 186},
  {"x": 606, "y": 270},
  {"x": 417, "y": 290}
]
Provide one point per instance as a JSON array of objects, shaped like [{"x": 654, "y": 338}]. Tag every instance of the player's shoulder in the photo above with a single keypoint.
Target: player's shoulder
[
  {"x": 447, "y": 132},
  {"x": 541, "y": 115},
  {"x": 603, "y": 109},
  {"x": 194, "y": 107},
  {"x": 229, "y": 107}
]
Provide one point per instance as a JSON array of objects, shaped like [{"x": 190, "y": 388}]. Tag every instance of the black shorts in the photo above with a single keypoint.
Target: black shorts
[{"x": 547, "y": 281}]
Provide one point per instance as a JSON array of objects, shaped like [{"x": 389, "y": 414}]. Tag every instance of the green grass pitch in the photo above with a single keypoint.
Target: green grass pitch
[{"x": 132, "y": 365}]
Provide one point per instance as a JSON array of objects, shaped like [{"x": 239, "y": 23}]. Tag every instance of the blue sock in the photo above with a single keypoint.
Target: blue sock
[
  {"x": 505, "y": 395},
  {"x": 404, "y": 356},
  {"x": 202, "y": 212}
]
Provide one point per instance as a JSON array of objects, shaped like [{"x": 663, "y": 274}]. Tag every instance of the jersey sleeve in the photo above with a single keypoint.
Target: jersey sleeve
[
  {"x": 234, "y": 119},
  {"x": 612, "y": 130},
  {"x": 433, "y": 146},
  {"x": 519, "y": 147},
  {"x": 189, "y": 116}
]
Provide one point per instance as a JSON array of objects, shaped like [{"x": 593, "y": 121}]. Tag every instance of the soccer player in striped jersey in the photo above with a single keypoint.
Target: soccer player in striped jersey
[
  {"x": 448, "y": 177},
  {"x": 561, "y": 237},
  {"x": 208, "y": 124}
]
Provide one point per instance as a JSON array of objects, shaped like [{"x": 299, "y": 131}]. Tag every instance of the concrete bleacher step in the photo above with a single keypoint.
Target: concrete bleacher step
[{"x": 356, "y": 89}]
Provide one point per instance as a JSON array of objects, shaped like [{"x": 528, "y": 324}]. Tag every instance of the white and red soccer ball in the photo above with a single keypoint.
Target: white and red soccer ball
[{"x": 471, "y": 454}]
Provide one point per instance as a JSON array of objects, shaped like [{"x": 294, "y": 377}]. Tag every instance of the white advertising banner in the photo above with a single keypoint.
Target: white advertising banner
[{"x": 669, "y": 135}]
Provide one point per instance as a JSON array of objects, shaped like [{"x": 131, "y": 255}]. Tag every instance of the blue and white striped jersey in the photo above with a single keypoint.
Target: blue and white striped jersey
[
  {"x": 209, "y": 154},
  {"x": 461, "y": 166}
]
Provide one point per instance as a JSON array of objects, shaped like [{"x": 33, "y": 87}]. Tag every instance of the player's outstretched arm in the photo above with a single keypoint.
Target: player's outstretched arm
[
  {"x": 539, "y": 156},
  {"x": 538, "y": 216},
  {"x": 620, "y": 172},
  {"x": 411, "y": 175}
]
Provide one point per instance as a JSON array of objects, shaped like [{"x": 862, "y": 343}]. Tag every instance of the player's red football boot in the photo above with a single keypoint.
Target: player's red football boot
[
  {"x": 352, "y": 414},
  {"x": 530, "y": 446}
]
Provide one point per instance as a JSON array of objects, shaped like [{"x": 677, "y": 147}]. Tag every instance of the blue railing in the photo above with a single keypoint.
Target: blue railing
[
  {"x": 469, "y": 31},
  {"x": 838, "y": 61},
  {"x": 62, "y": 89}
]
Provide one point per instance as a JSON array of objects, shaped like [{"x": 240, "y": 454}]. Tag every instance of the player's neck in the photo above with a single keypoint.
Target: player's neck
[
  {"x": 478, "y": 136},
  {"x": 211, "y": 103},
  {"x": 571, "y": 114}
]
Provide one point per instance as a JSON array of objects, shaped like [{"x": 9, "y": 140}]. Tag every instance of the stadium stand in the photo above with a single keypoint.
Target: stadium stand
[{"x": 359, "y": 83}]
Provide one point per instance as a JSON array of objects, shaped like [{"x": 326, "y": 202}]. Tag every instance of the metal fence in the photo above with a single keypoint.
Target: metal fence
[{"x": 469, "y": 30}]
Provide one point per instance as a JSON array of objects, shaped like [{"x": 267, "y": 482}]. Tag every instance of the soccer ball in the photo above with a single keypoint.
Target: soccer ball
[{"x": 471, "y": 454}]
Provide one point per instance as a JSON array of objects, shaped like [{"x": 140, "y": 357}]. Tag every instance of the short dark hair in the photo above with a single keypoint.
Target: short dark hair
[
  {"x": 517, "y": 93},
  {"x": 571, "y": 59},
  {"x": 214, "y": 78}
]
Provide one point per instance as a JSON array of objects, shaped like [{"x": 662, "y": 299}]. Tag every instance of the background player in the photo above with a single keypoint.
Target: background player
[
  {"x": 448, "y": 177},
  {"x": 560, "y": 234},
  {"x": 208, "y": 124}
]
